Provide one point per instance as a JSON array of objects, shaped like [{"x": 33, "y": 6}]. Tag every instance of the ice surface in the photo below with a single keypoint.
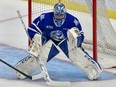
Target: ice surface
[{"x": 58, "y": 69}]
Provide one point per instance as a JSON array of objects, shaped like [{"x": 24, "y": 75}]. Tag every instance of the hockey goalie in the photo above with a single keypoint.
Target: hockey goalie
[{"x": 51, "y": 33}]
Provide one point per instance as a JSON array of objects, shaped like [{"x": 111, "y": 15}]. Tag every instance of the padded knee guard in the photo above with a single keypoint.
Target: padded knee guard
[
  {"x": 35, "y": 45},
  {"x": 45, "y": 52}
]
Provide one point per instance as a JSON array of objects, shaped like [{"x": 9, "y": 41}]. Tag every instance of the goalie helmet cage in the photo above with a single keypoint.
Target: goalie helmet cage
[{"x": 99, "y": 34}]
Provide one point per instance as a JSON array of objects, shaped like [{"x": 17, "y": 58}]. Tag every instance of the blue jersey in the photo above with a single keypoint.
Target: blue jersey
[{"x": 45, "y": 25}]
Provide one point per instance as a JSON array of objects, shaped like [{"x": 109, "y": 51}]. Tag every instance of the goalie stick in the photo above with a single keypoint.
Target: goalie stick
[{"x": 42, "y": 66}]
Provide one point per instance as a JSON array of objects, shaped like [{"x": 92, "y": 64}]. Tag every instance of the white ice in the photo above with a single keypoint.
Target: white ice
[{"x": 8, "y": 10}]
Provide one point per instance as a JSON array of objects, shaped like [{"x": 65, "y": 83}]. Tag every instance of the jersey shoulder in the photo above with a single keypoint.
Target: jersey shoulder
[
  {"x": 43, "y": 17},
  {"x": 48, "y": 15},
  {"x": 70, "y": 16},
  {"x": 72, "y": 19}
]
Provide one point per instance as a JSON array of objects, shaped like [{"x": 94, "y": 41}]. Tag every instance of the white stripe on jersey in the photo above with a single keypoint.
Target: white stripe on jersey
[
  {"x": 37, "y": 23},
  {"x": 37, "y": 27},
  {"x": 33, "y": 30}
]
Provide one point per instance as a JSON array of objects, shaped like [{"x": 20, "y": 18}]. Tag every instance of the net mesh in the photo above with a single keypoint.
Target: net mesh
[{"x": 82, "y": 9}]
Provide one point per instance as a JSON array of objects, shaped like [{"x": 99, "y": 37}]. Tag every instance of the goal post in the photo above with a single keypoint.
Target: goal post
[
  {"x": 29, "y": 12},
  {"x": 100, "y": 36},
  {"x": 94, "y": 16}
]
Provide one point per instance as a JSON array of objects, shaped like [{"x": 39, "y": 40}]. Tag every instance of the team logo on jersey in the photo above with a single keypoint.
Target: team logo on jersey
[
  {"x": 57, "y": 35},
  {"x": 49, "y": 27}
]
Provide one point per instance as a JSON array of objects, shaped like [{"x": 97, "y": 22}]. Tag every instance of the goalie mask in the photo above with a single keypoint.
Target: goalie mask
[{"x": 59, "y": 14}]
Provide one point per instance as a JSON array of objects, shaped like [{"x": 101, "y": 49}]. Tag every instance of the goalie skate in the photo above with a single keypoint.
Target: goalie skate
[{"x": 81, "y": 58}]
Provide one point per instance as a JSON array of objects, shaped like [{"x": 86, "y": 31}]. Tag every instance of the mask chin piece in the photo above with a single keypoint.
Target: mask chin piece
[{"x": 58, "y": 22}]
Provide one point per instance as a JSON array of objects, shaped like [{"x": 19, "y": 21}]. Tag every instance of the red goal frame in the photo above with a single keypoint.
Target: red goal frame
[{"x": 94, "y": 23}]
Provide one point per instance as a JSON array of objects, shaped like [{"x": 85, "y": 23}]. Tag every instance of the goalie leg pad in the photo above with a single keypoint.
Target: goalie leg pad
[
  {"x": 27, "y": 65},
  {"x": 48, "y": 51},
  {"x": 35, "y": 45},
  {"x": 81, "y": 58}
]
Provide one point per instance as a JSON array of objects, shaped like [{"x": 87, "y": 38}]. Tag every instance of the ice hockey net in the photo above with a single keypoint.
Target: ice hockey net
[{"x": 100, "y": 37}]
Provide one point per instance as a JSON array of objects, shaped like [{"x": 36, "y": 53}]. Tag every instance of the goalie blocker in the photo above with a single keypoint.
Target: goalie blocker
[{"x": 49, "y": 50}]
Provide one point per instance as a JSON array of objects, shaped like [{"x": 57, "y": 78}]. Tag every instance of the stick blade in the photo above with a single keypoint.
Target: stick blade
[
  {"x": 58, "y": 83},
  {"x": 38, "y": 76}
]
